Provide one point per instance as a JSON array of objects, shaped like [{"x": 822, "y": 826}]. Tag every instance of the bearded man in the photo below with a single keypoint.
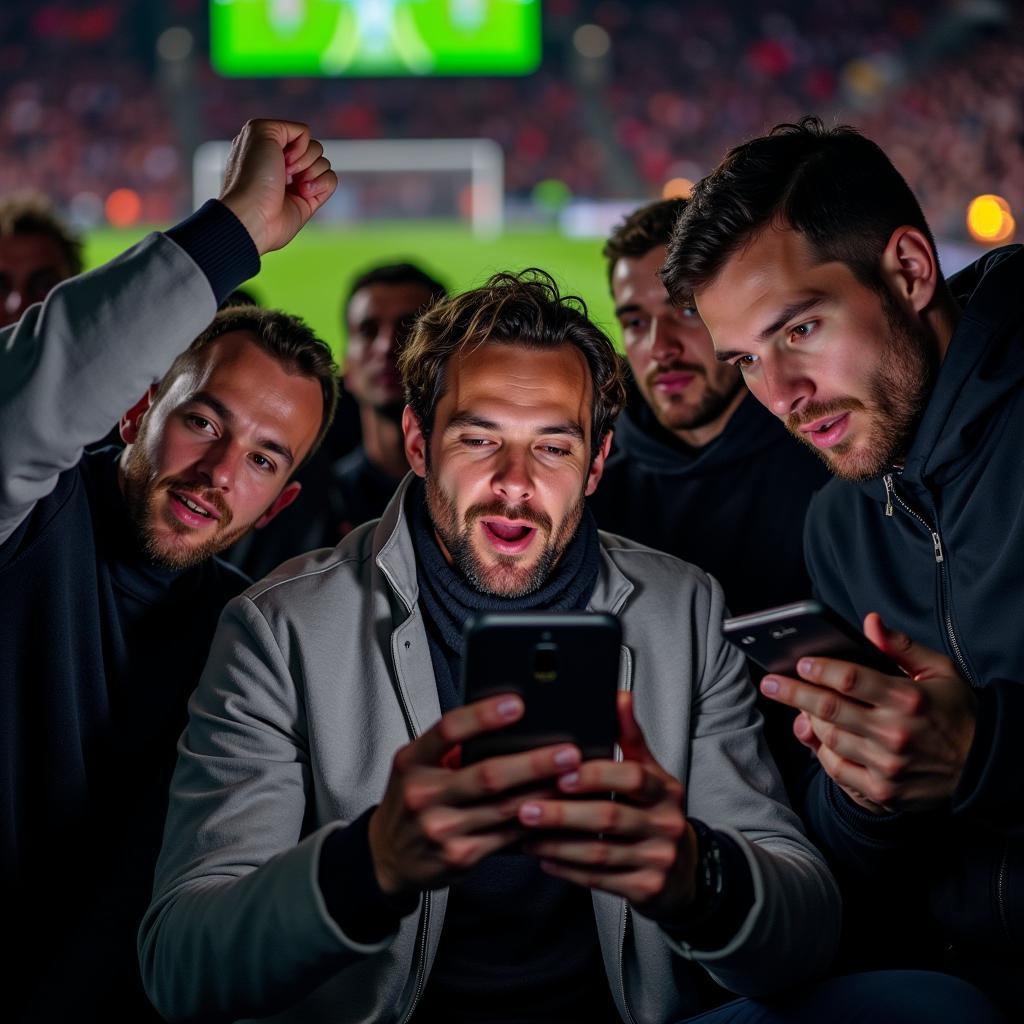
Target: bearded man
[
  {"x": 110, "y": 593},
  {"x": 812, "y": 264},
  {"x": 328, "y": 857},
  {"x": 697, "y": 461}
]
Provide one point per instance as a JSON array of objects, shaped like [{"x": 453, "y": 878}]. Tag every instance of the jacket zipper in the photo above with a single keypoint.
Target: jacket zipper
[
  {"x": 421, "y": 934},
  {"x": 622, "y": 962},
  {"x": 421, "y": 957},
  {"x": 940, "y": 559},
  {"x": 1001, "y": 891}
]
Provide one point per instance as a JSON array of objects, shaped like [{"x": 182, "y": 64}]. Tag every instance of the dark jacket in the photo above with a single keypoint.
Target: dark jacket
[
  {"x": 735, "y": 507},
  {"x": 99, "y": 648},
  {"x": 940, "y": 555}
]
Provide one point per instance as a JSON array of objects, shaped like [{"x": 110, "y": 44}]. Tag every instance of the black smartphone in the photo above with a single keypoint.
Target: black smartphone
[
  {"x": 565, "y": 666},
  {"x": 778, "y": 638}
]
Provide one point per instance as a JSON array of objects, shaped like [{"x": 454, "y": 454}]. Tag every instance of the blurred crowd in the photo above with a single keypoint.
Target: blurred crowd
[{"x": 87, "y": 105}]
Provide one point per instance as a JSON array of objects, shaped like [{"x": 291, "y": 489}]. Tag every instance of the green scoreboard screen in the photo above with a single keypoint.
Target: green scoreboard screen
[{"x": 374, "y": 37}]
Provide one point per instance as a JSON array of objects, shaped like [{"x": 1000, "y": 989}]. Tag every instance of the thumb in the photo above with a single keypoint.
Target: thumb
[
  {"x": 631, "y": 738},
  {"x": 917, "y": 661}
]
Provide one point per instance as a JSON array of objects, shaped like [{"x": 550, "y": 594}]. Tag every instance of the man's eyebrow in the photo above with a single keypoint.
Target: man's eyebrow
[
  {"x": 627, "y": 307},
  {"x": 569, "y": 427},
  {"x": 214, "y": 403},
  {"x": 228, "y": 416},
  {"x": 787, "y": 314},
  {"x": 469, "y": 419}
]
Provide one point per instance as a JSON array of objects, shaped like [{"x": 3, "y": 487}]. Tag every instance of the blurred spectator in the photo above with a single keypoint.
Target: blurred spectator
[
  {"x": 37, "y": 251},
  {"x": 83, "y": 117}
]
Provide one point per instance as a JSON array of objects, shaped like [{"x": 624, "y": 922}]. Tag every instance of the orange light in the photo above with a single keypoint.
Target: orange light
[
  {"x": 123, "y": 207},
  {"x": 990, "y": 220},
  {"x": 677, "y": 188}
]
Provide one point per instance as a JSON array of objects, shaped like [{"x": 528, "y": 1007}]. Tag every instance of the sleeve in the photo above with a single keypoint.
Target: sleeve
[
  {"x": 791, "y": 930},
  {"x": 238, "y": 925},
  {"x": 991, "y": 788},
  {"x": 71, "y": 365}
]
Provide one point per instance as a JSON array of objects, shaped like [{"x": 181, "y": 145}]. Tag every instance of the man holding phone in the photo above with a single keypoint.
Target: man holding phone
[
  {"x": 812, "y": 264},
  {"x": 327, "y": 856}
]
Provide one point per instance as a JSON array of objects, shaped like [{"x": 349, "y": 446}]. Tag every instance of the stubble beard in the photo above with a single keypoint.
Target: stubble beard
[
  {"x": 506, "y": 577},
  {"x": 674, "y": 414},
  {"x": 142, "y": 495},
  {"x": 898, "y": 392}
]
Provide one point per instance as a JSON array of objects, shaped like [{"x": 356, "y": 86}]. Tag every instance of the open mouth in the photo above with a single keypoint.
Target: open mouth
[
  {"x": 190, "y": 511},
  {"x": 827, "y": 432},
  {"x": 508, "y": 537}
]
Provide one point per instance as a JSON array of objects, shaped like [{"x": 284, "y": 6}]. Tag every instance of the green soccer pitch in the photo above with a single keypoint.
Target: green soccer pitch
[{"x": 309, "y": 277}]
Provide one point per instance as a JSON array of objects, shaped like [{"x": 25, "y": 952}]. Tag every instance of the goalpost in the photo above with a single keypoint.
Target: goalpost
[{"x": 395, "y": 179}]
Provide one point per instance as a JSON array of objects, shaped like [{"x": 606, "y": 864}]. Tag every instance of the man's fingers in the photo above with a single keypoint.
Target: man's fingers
[
  {"x": 297, "y": 163},
  {"x": 446, "y": 821},
  {"x": 292, "y": 135},
  {"x": 917, "y": 661},
  {"x": 314, "y": 178},
  {"x": 631, "y": 738},
  {"x": 844, "y": 693},
  {"x": 599, "y": 853},
  {"x": 636, "y": 886},
  {"x": 605, "y": 817},
  {"x": 861, "y": 750},
  {"x": 822, "y": 702},
  {"x": 857, "y": 780},
  {"x": 804, "y": 732},
  {"x": 459, "y": 725},
  {"x": 638, "y": 782}
]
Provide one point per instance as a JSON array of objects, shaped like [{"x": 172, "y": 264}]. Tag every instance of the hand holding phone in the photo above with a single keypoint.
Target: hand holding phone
[
  {"x": 777, "y": 638},
  {"x": 893, "y": 734}
]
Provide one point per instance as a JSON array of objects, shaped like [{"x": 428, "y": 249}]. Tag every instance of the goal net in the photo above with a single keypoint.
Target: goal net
[{"x": 395, "y": 179}]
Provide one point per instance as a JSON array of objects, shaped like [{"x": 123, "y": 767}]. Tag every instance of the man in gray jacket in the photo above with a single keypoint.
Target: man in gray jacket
[{"x": 327, "y": 856}]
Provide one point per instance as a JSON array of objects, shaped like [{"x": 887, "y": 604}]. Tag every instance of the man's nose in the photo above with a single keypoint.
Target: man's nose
[
  {"x": 512, "y": 480},
  {"x": 219, "y": 464},
  {"x": 664, "y": 341},
  {"x": 384, "y": 342},
  {"x": 786, "y": 389}
]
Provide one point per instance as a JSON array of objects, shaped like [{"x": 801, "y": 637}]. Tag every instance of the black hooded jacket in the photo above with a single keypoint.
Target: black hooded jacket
[
  {"x": 735, "y": 506},
  {"x": 938, "y": 550}
]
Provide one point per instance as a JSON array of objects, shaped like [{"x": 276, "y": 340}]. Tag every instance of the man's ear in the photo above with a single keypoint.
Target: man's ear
[
  {"x": 130, "y": 422},
  {"x": 597, "y": 465},
  {"x": 415, "y": 442},
  {"x": 289, "y": 493},
  {"x": 910, "y": 268}
]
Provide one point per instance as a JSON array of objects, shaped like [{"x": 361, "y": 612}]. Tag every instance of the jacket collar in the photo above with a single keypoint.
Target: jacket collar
[
  {"x": 394, "y": 555},
  {"x": 982, "y": 366}
]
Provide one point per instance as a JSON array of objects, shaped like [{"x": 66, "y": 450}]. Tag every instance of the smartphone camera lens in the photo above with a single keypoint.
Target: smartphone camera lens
[{"x": 545, "y": 663}]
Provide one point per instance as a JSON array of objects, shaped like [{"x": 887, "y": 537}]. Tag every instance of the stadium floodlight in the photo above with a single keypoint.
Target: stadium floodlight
[{"x": 472, "y": 172}]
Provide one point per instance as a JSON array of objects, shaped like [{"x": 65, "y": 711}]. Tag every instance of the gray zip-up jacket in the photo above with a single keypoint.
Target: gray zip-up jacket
[{"x": 318, "y": 674}]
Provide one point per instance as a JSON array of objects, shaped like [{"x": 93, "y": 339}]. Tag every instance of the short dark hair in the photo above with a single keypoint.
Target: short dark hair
[
  {"x": 31, "y": 214},
  {"x": 642, "y": 230},
  {"x": 286, "y": 338},
  {"x": 833, "y": 185},
  {"x": 395, "y": 274},
  {"x": 514, "y": 309}
]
